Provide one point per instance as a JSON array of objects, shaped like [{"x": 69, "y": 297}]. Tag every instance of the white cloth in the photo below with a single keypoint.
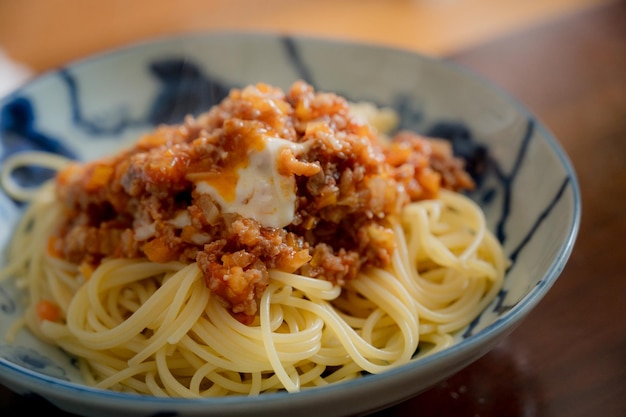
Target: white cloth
[{"x": 12, "y": 74}]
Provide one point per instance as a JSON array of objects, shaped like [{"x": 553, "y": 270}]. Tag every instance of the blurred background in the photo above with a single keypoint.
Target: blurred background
[
  {"x": 43, "y": 34},
  {"x": 564, "y": 59}
]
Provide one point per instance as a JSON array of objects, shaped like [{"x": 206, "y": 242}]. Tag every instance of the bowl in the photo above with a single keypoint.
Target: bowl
[{"x": 526, "y": 186}]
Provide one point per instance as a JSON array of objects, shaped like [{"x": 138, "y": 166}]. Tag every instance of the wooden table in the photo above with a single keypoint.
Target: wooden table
[{"x": 568, "y": 358}]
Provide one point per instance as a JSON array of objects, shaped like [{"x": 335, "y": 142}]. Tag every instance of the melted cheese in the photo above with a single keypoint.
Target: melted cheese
[
  {"x": 253, "y": 188},
  {"x": 181, "y": 219},
  {"x": 145, "y": 231}
]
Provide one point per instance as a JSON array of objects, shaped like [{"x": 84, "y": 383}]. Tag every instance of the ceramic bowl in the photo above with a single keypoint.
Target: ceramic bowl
[{"x": 526, "y": 186}]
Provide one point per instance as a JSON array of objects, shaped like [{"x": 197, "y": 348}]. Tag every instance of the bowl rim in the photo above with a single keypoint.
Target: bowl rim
[{"x": 502, "y": 324}]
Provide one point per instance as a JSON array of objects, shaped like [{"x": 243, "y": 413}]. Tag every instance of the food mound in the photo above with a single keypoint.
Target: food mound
[{"x": 293, "y": 181}]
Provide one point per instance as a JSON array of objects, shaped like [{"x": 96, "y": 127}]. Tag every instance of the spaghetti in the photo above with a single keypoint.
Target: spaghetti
[{"x": 175, "y": 323}]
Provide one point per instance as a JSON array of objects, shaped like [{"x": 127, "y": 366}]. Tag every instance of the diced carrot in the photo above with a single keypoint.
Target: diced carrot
[
  {"x": 188, "y": 233},
  {"x": 100, "y": 177},
  {"x": 86, "y": 269},
  {"x": 153, "y": 140},
  {"x": 398, "y": 154},
  {"x": 47, "y": 310},
  {"x": 430, "y": 181},
  {"x": 53, "y": 249},
  {"x": 157, "y": 250}
]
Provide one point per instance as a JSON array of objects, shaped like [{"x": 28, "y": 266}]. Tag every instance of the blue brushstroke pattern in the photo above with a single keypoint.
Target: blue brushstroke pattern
[
  {"x": 17, "y": 124},
  {"x": 94, "y": 127},
  {"x": 19, "y": 132},
  {"x": 542, "y": 216},
  {"x": 31, "y": 359},
  {"x": 7, "y": 304},
  {"x": 296, "y": 60},
  {"x": 506, "y": 180},
  {"x": 479, "y": 164},
  {"x": 408, "y": 112},
  {"x": 184, "y": 90},
  {"x": 464, "y": 146},
  {"x": 506, "y": 183}
]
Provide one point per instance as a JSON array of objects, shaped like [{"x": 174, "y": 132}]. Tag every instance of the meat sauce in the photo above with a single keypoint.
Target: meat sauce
[{"x": 265, "y": 180}]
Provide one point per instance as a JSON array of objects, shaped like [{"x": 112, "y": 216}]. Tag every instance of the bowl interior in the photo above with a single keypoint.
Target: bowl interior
[{"x": 93, "y": 107}]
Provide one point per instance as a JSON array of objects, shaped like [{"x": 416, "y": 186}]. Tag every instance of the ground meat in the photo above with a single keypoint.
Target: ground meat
[{"x": 347, "y": 184}]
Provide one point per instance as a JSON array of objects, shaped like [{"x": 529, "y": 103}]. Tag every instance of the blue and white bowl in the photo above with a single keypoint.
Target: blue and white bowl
[{"x": 527, "y": 187}]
